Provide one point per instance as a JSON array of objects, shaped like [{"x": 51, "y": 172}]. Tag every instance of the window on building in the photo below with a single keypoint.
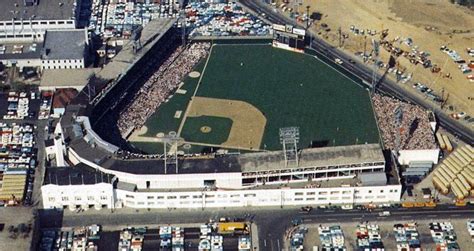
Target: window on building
[
  {"x": 370, "y": 191},
  {"x": 298, "y": 194},
  {"x": 90, "y": 197},
  {"x": 51, "y": 199},
  {"x": 150, "y": 197},
  {"x": 381, "y": 191},
  {"x": 65, "y": 198},
  {"x": 103, "y": 197},
  {"x": 78, "y": 198},
  {"x": 148, "y": 185},
  {"x": 129, "y": 196}
]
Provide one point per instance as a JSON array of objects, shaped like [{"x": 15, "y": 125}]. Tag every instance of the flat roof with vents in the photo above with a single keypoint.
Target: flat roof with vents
[{"x": 43, "y": 10}]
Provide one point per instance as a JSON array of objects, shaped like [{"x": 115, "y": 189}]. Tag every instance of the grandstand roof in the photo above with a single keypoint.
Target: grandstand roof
[{"x": 326, "y": 156}]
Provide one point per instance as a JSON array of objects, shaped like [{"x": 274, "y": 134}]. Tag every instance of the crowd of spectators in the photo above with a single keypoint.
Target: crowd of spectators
[
  {"x": 415, "y": 130},
  {"x": 160, "y": 86}
]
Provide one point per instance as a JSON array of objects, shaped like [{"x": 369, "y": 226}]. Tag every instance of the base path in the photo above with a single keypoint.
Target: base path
[{"x": 248, "y": 122}]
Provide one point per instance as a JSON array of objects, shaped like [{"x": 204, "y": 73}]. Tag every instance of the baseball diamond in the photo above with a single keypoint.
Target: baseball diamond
[{"x": 246, "y": 92}]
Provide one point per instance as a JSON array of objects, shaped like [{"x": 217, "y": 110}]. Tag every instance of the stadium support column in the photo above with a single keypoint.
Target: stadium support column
[{"x": 289, "y": 138}]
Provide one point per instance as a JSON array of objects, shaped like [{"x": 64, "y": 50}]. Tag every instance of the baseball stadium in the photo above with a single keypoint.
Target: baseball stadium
[
  {"x": 219, "y": 124},
  {"x": 240, "y": 95}
]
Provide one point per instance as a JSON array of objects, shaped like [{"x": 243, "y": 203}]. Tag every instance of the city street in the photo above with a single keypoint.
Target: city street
[{"x": 272, "y": 222}]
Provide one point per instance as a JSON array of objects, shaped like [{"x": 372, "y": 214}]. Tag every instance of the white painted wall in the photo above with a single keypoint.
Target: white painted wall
[
  {"x": 62, "y": 64},
  {"x": 260, "y": 197},
  {"x": 55, "y": 196},
  {"x": 30, "y": 30},
  {"x": 20, "y": 63},
  {"x": 102, "y": 194},
  {"x": 405, "y": 156}
]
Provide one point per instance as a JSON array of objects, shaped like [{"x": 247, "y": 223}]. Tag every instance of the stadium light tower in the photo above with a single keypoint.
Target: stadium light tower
[
  {"x": 171, "y": 140},
  {"x": 289, "y": 138},
  {"x": 398, "y": 112},
  {"x": 375, "y": 45},
  {"x": 182, "y": 21}
]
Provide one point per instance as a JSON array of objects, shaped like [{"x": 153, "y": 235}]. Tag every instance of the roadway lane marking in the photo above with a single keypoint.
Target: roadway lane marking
[
  {"x": 264, "y": 242},
  {"x": 455, "y": 215},
  {"x": 357, "y": 218},
  {"x": 432, "y": 216},
  {"x": 331, "y": 219}
]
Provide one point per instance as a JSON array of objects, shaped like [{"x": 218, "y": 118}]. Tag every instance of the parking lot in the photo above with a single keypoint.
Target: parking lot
[
  {"x": 388, "y": 234},
  {"x": 218, "y": 235}
]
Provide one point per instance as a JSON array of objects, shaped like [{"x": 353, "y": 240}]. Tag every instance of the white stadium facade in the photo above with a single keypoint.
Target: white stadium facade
[{"x": 92, "y": 173}]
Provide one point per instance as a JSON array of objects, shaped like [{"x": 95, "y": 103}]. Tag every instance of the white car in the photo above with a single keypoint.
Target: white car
[{"x": 338, "y": 61}]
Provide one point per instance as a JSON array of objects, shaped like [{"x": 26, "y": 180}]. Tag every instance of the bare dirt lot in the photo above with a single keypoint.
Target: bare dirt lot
[
  {"x": 429, "y": 23},
  {"x": 248, "y": 122}
]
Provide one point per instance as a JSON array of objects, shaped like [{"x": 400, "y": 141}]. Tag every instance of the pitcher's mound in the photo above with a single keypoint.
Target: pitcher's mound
[
  {"x": 206, "y": 129},
  {"x": 194, "y": 74}
]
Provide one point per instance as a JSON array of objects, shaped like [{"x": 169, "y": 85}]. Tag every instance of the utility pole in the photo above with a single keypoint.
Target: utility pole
[
  {"x": 339, "y": 32},
  {"x": 307, "y": 16}
]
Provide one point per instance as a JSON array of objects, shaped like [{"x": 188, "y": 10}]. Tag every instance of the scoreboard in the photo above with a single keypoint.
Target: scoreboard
[{"x": 289, "y": 38}]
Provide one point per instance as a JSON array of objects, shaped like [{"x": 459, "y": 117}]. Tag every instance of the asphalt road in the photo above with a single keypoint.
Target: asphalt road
[
  {"x": 272, "y": 222},
  {"x": 364, "y": 73}
]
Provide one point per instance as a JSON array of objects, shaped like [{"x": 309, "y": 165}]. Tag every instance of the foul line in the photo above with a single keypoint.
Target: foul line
[{"x": 181, "y": 125}]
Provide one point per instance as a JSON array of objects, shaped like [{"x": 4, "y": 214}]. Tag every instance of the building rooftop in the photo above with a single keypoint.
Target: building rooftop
[
  {"x": 14, "y": 51},
  {"x": 75, "y": 175},
  {"x": 66, "y": 77},
  {"x": 44, "y": 10},
  {"x": 65, "y": 44},
  {"x": 63, "y": 96}
]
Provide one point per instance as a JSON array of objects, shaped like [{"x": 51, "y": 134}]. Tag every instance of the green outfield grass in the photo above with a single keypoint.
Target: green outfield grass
[{"x": 290, "y": 89}]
